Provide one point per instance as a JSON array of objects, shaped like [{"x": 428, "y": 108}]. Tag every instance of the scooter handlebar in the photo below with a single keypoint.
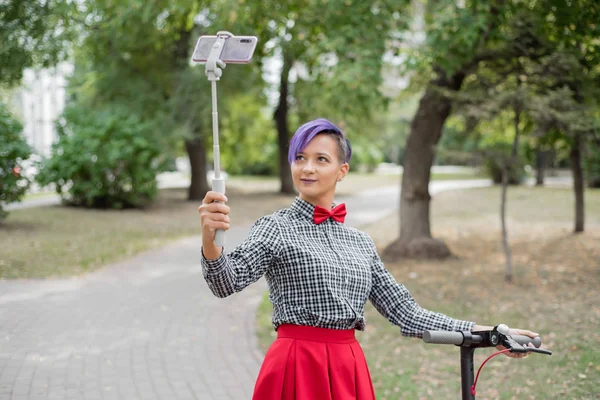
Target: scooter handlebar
[
  {"x": 525, "y": 340},
  {"x": 443, "y": 337},
  {"x": 458, "y": 338}
]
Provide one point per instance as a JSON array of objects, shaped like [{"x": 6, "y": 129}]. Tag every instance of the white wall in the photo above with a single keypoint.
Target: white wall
[{"x": 39, "y": 102}]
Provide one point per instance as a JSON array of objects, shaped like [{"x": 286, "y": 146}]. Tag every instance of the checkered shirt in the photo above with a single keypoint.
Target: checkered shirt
[{"x": 320, "y": 275}]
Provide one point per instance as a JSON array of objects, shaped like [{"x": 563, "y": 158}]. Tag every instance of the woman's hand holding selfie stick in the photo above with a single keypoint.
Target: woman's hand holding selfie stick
[{"x": 214, "y": 215}]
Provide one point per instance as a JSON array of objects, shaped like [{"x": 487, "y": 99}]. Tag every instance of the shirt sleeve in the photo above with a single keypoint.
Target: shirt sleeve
[
  {"x": 394, "y": 301},
  {"x": 230, "y": 273}
]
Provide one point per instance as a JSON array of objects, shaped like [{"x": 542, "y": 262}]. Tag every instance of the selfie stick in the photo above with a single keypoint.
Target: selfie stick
[{"x": 213, "y": 73}]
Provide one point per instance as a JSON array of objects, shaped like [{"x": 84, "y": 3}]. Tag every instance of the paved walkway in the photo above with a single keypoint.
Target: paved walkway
[{"x": 145, "y": 328}]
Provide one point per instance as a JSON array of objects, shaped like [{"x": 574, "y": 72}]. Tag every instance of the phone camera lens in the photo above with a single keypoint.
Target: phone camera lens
[{"x": 245, "y": 40}]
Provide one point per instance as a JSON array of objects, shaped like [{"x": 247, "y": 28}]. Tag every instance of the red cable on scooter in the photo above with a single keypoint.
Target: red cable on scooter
[{"x": 473, "y": 392}]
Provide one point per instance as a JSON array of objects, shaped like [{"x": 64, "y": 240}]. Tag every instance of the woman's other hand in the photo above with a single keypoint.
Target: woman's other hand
[{"x": 521, "y": 332}]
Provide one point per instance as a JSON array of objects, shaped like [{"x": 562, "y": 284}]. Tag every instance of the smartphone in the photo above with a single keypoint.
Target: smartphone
[{"x": 237, "y": 49}]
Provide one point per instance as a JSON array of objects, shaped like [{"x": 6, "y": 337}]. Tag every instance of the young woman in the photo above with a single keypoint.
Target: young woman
[{"x": 320, "y": 274}]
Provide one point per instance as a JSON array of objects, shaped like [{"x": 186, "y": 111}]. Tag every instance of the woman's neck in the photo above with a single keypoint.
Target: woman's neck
[{"x": 325, "y": 202}]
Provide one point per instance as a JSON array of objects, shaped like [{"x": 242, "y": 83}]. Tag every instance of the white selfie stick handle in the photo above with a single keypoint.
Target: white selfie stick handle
[
  {"x": 213, "y": 72},
  {"x": 218, "y": 185}
]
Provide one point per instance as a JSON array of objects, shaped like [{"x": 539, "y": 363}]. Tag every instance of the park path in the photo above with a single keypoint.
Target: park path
[{"x": 146, "y": 327}]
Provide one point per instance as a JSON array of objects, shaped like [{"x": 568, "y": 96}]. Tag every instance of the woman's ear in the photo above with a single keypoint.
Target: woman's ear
[{"x": 343, "y": 171}]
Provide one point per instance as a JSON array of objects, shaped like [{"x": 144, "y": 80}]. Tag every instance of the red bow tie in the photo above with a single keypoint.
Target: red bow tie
[{"x": 321, "y": 214}]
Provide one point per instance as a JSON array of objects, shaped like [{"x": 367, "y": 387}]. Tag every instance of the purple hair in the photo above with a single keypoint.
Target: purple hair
[{"x": 309, "y": 130}]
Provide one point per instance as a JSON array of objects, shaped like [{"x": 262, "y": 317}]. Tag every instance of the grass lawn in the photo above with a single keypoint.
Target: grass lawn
[
  {"x": 555, "y": 292},
  {"x": 39, "y": 195}
]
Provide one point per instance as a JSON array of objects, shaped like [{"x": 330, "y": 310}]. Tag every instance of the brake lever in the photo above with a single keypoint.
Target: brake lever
[
  {"x": 516, "y": 347},
  {"x": 512, "y": 345},
  {"x": 541, "y": 351}
]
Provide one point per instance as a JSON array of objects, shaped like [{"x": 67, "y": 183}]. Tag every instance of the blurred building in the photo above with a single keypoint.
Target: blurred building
[{"x": 38, "y": 103}]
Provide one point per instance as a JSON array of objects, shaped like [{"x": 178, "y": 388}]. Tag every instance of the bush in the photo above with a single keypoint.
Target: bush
[
  {"x": 104, "y": 158},
  {"x": 248, "y": 138},
  {"x": 14, "y": 150},
  {"x": 516, "y": 172},
  {"x": 495, "y": 157}
]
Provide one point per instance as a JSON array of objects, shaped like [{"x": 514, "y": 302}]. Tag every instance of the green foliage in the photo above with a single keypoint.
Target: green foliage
[
  {"x": 33, "y": 33},
  {"x": 458, "y": 145},
  {"x": 190, "y": 106},
  {"x": 104, "y": 158},
  {"x": 550, "y": 47},
  {"x": 248, "y": 139},
  {"x": 347, "y": 56},
  {"x": 136, "y": 55},
  {"x": 128, "y": 55},
  {"x": 335, "y": 49},
  {"x": 495, "y": 161},
  {"x": 375, "y": 138},
  {"x": 485, "y": 128},
  {"x": 496, "y": 146},
  {"x": 454, "y": 33},
  {"x": 489, "y": 142},
  {"x": 13, "y": 151},
  {"x": 365, "y": 156}
]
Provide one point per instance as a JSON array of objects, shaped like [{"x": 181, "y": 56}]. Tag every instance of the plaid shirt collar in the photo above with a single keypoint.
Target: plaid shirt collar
[{"x": 304, "y": 208}]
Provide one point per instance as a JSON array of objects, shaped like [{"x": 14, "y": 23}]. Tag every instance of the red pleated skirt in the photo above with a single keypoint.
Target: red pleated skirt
[{"x": 307, "y": 363}]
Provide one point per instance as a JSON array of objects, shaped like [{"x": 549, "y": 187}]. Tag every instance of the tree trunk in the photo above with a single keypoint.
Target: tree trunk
[
  {"x": 283, "y": 134},
  {"x": 181, "y": 50},
  {"x": 578, "y": 186},
  {"x": 505, "y": 244},
  {"x": 415, "y": 239},
  {"x": 195, "y": 146},
  {"x": 540, "y": 164},
  {"x": 426, "y": 129},
  {"x": 508, "y": 267},
  {"x": 197, "y": 155}
]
